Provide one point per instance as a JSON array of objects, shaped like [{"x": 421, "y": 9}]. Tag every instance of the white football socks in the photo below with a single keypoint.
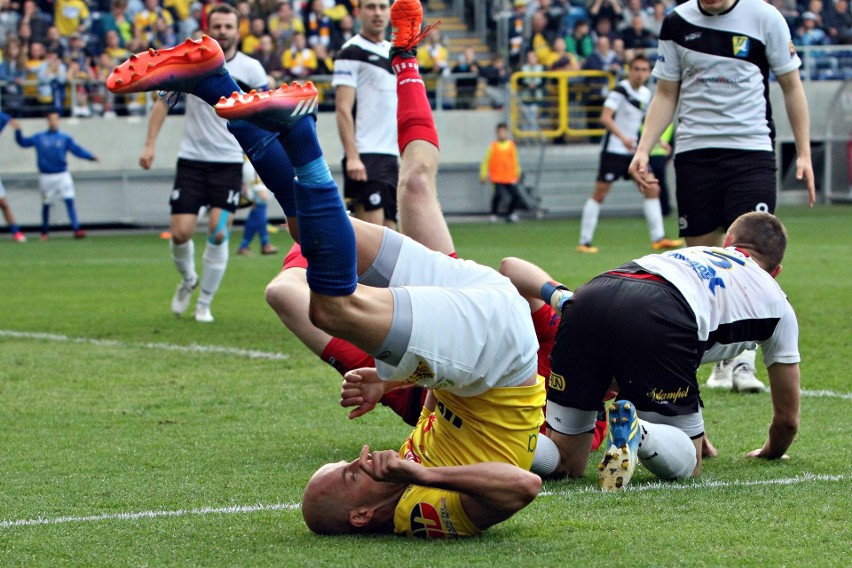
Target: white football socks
[
  {"x": 546, "y": 456},
  {"x": 184, "y": 258},
  {"x": 591, "y": 212},
  {"x": 666, "y": 451},
  {"x": 654, "y": 216},
  {"x": 215, "y": 263}
]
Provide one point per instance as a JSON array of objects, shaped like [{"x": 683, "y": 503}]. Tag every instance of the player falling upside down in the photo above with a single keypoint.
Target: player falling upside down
[{"x": 465, "y": 466}]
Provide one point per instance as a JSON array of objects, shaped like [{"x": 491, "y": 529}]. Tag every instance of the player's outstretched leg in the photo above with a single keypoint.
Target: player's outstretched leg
[{"x": 326, "y": 234}]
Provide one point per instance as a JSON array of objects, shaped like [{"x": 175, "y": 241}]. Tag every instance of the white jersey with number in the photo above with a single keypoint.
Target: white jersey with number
[
  {"x": 366, "y": 67},
  {"x": 205, "y": 135},
  {"x": 737, "y": 304},
  {"x": 722, "y": 63},
  {"x": 629, "y": 106}
]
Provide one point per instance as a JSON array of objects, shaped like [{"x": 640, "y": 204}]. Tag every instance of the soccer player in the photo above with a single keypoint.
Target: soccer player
[
  {"x": 623, "y": 111},
  {"x": 649, "y": 324},
  {"x": 488, "y": 395},
  {"x": 714, "y": 64},
  {"x": 209, "y": 173},
  {"x": 363, "y": 80},
  {"x": 52, "y": 147}
]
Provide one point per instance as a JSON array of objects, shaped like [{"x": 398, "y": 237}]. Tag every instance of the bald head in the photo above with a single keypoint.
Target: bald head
[{"x": 324, "y": 506}]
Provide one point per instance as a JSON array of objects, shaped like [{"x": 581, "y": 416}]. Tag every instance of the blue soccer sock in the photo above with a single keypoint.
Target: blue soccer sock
[
  {"x": 327, "y": 238},
  {"x": 269, "y": 160},
  {"x": 14, "y": 228},
  {"x": 301, "y": 142},
  {"x": 72, "y": 214},
  {"x": 211, "y": 89}
]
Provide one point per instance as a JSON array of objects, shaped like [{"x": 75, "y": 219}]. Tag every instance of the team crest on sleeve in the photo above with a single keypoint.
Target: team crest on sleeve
[
  {"x": 742, "y": 44},
  {"x": 422, "y": 372},
  {"x": 792, "y": 50}
]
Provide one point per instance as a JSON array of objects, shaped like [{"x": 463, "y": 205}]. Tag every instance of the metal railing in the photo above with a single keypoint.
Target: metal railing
[{"x": 555, "y": 104}]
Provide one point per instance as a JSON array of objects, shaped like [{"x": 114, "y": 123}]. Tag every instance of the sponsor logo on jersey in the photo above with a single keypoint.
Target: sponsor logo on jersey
[
  {"x": 428, "y": 522},
  {"x": 425, "y": 521},
  {"x": 692, "y": 37},
  {"x": 661, "y": 58},
  {"x": 667, "y": 397},
  {"x": 742, "y": 45},
  {"x": 556, "y": 382}
]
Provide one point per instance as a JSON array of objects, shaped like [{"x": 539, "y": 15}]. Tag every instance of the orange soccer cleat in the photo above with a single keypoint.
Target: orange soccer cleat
[
  {"x": 406, "y": 19},
  {"x": 275, "y": 110},
  {"x": 177, "y": 68}
]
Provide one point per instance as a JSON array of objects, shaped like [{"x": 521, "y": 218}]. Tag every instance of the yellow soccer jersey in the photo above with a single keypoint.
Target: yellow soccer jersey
[{"x": 500, "y": 425}]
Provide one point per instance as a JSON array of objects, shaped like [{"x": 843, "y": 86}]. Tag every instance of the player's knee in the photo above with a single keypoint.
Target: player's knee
[
  {"x": 416, "y": 180},
  {"x": 218, "y": 236},
  {"x": 276, "y": 296}
]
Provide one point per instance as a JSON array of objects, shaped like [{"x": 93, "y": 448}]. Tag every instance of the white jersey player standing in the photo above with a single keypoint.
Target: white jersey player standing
[
  {"x": 715, "y": 60},
  {"x": 622, "y": 115},
  {"x": 209, "y": 172},
  {"x": 365, "y": 105}
]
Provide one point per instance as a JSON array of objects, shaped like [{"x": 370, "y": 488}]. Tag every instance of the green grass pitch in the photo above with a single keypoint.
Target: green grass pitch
[{"x": 129, "y": 437}]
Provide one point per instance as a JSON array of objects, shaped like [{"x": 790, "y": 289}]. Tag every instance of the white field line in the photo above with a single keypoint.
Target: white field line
[
  {"x": 706, "y": 484},
  {"x": 192, "y": 348},
  {"x": 247, "y": 509},
  {"x": 236, "y": 509}
]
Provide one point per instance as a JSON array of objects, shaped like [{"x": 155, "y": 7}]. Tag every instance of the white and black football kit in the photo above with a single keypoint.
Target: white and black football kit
[
  {"x": 629, "y": 106},
  {"x": 365, "y": 66},
  {"x": 724, "y": 155},
  {"x": 653, "y": 321},
  {"x": 210, "y": 160}
]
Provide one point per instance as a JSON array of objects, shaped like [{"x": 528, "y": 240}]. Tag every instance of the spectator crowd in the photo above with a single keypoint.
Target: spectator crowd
[{"x": 56, "y": 53}]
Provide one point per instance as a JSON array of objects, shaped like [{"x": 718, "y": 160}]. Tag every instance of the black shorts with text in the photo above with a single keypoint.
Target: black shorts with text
[
  {"x": 214, "y": 184},
  {"x": 640, "y": 332}
]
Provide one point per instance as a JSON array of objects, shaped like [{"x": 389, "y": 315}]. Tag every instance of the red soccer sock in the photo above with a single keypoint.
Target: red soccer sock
[
  {"x": 413, "y": 113},
  {"x": 406, "y": 402},
  {"x": 344, "y": 356}
]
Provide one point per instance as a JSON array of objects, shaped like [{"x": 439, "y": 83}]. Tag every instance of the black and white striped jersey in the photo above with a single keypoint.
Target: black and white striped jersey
[
  {"x": 722, "y": 63},
  {"x": 736, "y": 303},
  {"x": 629, "y": 106},
  {"x": 365, "y": 66}
]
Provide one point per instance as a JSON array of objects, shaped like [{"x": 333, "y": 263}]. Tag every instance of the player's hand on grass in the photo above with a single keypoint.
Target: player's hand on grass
[
  {"x": 362, "y": 388},
  {"x": 759, "y": 453}
]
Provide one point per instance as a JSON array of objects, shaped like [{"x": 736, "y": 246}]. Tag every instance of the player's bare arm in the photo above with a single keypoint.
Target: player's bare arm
[{"x": 797, "y": 111}]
